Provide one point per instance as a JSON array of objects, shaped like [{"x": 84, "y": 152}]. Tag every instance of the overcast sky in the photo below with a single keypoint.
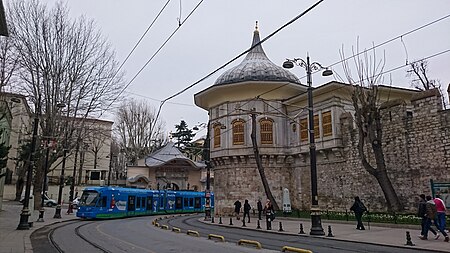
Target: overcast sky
[{"x": 219, "y": 30}]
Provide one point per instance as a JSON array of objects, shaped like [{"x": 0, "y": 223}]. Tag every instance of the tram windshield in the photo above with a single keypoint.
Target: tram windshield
[{"x": 89, "y": 198}]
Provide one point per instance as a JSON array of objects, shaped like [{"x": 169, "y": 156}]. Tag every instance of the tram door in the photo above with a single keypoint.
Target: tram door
[{"x": 131, "y": 203}]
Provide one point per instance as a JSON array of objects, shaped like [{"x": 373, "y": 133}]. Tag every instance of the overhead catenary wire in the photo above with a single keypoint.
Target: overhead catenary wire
[
  {"x": 152, "y": 57},
  {"x": 237, "y": 57},
  {"x": 378, "y": 45}
]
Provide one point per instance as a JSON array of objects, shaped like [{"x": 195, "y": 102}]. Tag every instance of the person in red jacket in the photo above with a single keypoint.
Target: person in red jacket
[{"x": 440, "y": 209}]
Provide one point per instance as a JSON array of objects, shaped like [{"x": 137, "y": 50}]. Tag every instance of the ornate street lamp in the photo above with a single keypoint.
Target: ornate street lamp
[
  {"x": 63, "y": 167},
  {"x": 316, "y": 224},
  {"x": 25, "y": 214},
  {"x": 206, "y": 157}
]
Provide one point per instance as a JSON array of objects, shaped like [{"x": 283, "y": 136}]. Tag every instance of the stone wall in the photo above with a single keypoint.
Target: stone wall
[
  {"x": 416, "y": 145},
  {"x": 239, "y": 179}
]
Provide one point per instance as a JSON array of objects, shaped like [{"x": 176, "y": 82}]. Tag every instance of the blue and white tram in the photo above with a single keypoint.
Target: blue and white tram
[{"x": 116, "y": 202}]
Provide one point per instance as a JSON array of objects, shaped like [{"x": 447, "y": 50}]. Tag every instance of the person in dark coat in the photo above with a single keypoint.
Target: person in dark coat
[
  {"x": 358, "y": 208},
  {"x": 260, "y": 208},
  {"x": 237, "y": 208},
  {"x": 247, "y": 208},
  {"x": 268, "y": 209},
  {"x": 422, "y": 213},
  {"x": 431, "y": 214}
]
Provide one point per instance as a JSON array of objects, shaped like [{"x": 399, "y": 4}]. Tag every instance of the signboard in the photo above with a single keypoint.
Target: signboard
[{"x": 443, "y": 189}]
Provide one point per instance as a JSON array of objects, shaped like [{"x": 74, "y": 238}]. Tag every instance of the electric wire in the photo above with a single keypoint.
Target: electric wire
[
  {"x": 389, "y": 40},
  {"x": 151, "y": 58},
  {"x": 238, "y": 56},
  {"x": 331, "y": 91}
]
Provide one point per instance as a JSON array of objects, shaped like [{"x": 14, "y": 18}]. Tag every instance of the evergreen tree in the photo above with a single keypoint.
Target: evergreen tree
[{"x": 183, "y": 135}]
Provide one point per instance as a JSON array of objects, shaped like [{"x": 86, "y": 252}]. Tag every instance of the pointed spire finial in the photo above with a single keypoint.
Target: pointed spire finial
[{"x": 256, "y": 26}]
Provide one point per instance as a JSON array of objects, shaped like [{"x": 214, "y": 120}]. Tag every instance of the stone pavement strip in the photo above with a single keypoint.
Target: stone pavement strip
[
  {"x": 18, "y": 241},
  {"x": 381, "y": 234}
]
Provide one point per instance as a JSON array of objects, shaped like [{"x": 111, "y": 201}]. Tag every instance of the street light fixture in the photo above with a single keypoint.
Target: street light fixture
[
  {"x": 206, "y": 157},
  {"x": 63, "y": 167},
  {"x": 316, "y": 223},
  {"x": 25, "y": 214}
]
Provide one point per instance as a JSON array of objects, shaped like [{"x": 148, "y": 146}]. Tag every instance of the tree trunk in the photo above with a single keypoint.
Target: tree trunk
[
  {"x": 259, "y": 164},
  {"x": 19, "y": 188},
  {"x": 390, "y": 195}
]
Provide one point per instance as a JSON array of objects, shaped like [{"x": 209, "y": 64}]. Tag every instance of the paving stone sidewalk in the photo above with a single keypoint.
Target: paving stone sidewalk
[
  {"x": 18, "y": 241},
  {"x": 381, "y": 234}
]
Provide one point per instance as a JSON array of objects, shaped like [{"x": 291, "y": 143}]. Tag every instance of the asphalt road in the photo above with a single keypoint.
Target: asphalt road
[
  {"x": 139, "y": 235},
  {"x": 125, "y": 235}
]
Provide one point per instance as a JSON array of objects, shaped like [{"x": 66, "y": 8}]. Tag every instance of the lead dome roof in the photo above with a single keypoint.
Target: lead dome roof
[{"x": 256, "y": 67}]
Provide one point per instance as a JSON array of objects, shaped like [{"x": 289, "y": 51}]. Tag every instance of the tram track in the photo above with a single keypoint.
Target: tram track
[{"x": 78, "y": 233}]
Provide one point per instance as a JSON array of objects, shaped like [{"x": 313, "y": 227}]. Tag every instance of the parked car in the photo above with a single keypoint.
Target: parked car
[
  {"x": 75, "y": 202},
  {"x": 47, "y": 201}
]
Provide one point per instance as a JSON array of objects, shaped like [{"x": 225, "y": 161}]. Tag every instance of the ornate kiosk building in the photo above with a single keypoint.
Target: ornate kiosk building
[{"x": 416, "y": 138}]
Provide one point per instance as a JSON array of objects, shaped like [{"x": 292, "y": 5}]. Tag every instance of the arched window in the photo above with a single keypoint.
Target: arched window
[
  {"x": 238, "y": 132},
  {"x": 266, "y": 131},
  {"x": 216, "y": 135}
]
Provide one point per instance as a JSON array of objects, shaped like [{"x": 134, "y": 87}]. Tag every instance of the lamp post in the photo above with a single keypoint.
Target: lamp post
[
  {"x": 206, "y": 157},
  {"x": 316, "y": 223},
  {"x": 44, "y": 183},
  {"x": 25, "y": 214},
  {"x": 63, "y": 167}
]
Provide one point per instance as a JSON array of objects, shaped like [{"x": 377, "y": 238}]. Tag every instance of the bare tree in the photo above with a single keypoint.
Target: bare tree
[
  {"x": 366, "y": 102},
  {"x": 261, "y": 170},
  {"x": 8, "y": 62},
  {"x": 61, "y": 60},
  {"x": 138, "y": 130},
  {"x": 418, "y": 72}
]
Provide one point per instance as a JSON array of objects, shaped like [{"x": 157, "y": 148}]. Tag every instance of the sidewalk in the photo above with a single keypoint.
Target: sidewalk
[
  {"x": 380, "y": 234},
  {"x": 18, "y": 241}
]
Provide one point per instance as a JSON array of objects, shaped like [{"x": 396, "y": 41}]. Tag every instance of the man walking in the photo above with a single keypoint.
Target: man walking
[
  {"x": 431, "y": 216},
  {"x": 260, "y": 208},
  {"x": 422, "y": 213},
  {"x": 441, "y": 210},
  {"x": 237, "y": 208},
  {"x": 247, "y": 208}
]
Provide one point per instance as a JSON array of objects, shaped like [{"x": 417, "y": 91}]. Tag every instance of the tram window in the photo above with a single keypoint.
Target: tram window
[
  {"x": 191, "y": 202},
  {"x": 102, "y": 202},
  {"x": 138, "y": 202},
  {"x": 197, "y": 203},
  {"x": 161, "y": 202},
  {"x": 186, "y": 202},
  {"x": 149, "y": 203},
  {"x": 178, "y": 203},
  {"x": 143, "y": 202},
  {"x": 131, "y": 206},
  {"x": 89, "y": 198}
]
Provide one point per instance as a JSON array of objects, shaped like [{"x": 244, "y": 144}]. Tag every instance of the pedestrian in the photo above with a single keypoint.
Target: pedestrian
[
  {"x": 358, "y": 208},
  {"x": 441, "y": 210},
  {"x": 422, "y": 213},
  {"x": 268, "y": 209},
  {"x": 247, "y": 208},
  {"x": 237, "y": 208},
  {"x": 431, "y": 214},
  {"x": 260, "y": 208}
]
